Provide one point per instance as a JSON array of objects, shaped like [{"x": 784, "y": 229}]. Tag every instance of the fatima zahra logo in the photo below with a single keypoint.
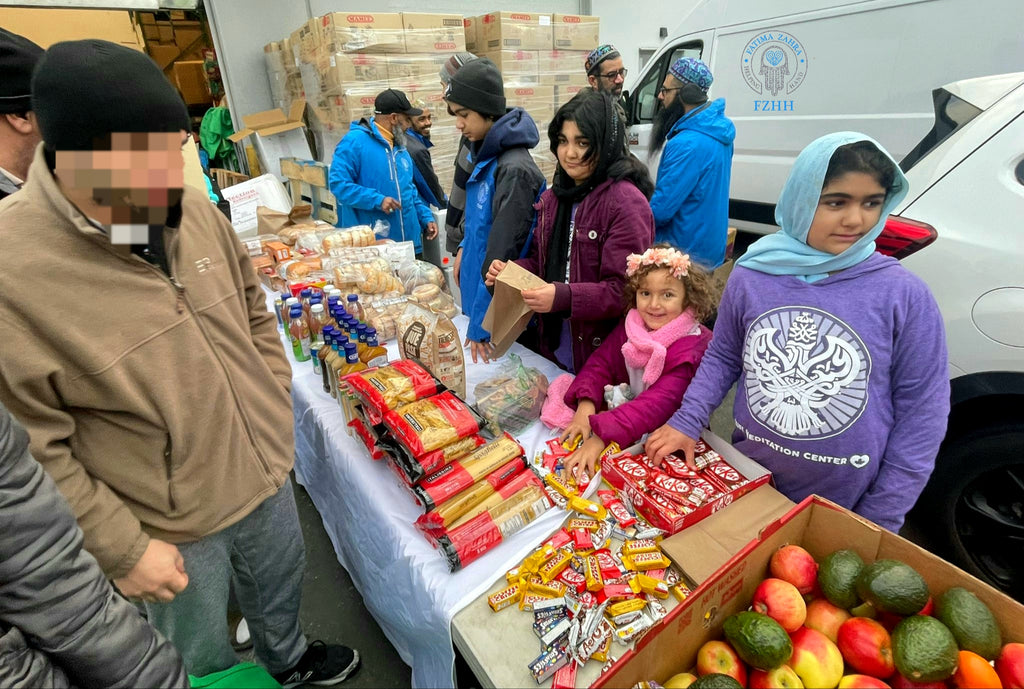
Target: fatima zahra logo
[{"x": 774, "y": 62}]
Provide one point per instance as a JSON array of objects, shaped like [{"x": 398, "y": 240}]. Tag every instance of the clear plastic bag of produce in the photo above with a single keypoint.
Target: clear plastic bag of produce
[{"x": 513, "y": 399}]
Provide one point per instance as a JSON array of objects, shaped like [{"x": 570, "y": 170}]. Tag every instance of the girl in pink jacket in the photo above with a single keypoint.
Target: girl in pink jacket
[{"x": 655, "y": 351}]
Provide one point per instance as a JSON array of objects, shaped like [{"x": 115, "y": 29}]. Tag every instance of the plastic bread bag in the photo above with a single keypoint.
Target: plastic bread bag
[
  {"x": 373, "y": 276},
  {"x": 513, "y": 399},
  {"x": 432, "y": 422},
  {"x": 360, "y": 235},
  {"x": 434, "y": 298},
  {"x": 385, "y": 388},
  {"x": 415, "y": 274},
  {"x": 382, "y": 312},
  {"x": 432, "y": 339}
]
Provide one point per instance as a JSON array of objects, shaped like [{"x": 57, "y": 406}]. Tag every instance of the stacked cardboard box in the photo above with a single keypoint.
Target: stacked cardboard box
[{"x": 307, "y": 183}]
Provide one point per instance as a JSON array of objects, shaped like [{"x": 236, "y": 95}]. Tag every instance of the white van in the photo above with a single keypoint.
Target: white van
[{"x": 792, "y": 70}]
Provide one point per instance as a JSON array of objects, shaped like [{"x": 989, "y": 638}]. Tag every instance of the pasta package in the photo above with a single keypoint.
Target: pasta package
[
  {"x": 414, "y": 469},
  {"x": 431, "y": 423},
  {"x": 389, "y": 387},
  {"x": 463, "y": 473},
  {"x": 432, "y": 340},
  {"x": 480, "y": 497}
]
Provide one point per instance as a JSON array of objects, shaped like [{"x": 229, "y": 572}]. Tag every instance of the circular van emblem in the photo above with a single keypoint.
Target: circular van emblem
[
  {"x": 774, "y": 62},
  {"x": 806, "y": 373}
]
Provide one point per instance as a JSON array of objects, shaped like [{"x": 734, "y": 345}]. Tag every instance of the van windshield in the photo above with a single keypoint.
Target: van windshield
[{"x": 951, "y": 113}]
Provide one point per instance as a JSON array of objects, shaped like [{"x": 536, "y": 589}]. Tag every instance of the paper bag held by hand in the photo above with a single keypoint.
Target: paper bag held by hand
[{"x": 508, "y": 315}]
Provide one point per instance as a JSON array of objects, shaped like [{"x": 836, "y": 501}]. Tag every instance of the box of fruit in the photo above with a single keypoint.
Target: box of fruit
[{"x": 824, "y": 598}]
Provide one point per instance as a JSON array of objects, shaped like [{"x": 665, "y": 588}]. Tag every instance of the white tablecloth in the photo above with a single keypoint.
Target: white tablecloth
[{"x": 369, "y": 516}]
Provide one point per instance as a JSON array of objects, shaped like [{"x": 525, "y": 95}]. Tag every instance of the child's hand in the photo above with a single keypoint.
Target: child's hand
[
  {"x": 540, "y": 299},
  {"x": 481, "y": 350},
  {"x": 579, "y": 426},
  {"x": 583, "y": 458},
  {"x": 492, "y": 272},
  {"x": 667, "y": 440}
]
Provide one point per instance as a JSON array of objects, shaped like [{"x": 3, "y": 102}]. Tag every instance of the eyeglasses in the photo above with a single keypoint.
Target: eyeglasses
[
  {"x": 610, "y": 76},
  {"x": 664, "y": 90}
]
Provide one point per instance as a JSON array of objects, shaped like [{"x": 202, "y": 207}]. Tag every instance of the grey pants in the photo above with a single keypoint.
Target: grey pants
[{"x": 265, "y": 558}]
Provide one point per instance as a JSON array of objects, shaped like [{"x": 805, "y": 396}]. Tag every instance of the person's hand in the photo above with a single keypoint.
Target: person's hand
[
  {"x": 158, "y": 576},
  {"x": 667, "y": 440},
  {"x": 483, "y": 350},
  {"x": 431, "y": 230},
  {"x": 540, "y": 299},
  {"x": 584, "y": 458},
  {"x": 457, "y": 267},
  {"x": 580, "y": 424},
  {"x": 389, "y": 204},
  {"x": 493, "y": 271}
]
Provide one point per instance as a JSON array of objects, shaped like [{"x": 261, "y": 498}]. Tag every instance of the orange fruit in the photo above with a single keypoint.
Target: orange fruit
[{"x": 974, "y": 672}]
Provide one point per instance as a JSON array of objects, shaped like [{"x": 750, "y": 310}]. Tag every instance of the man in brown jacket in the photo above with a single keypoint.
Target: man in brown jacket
[{"x": 141, "y": 357}]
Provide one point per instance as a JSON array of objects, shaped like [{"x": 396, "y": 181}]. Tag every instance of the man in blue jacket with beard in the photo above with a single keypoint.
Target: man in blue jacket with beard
[
  {"x": 691, "y": 195},
  {"x": 372, "y": 173}
]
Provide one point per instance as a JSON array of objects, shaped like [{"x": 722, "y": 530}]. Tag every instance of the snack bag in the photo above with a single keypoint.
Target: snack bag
[
  {"x": 513, "y": 399},
  {"x": 432, "y": 340},
  {"x": 389, "y": 387}
]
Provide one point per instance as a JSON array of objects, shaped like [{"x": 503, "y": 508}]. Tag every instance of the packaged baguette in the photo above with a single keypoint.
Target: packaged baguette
[
  {"x": 463, "y": 473},
  {"x": 488, "y": 529},
  {"x": 389, "y": 387},
  {"x": 445, "y": 514},
  {"x": 431, "y": 423}
]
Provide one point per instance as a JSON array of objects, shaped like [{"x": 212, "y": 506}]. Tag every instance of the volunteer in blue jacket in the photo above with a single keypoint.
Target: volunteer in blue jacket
[
  {"x": 500, "y": 191},
  {"x": 691, "y": 195},
  {"x": 372, "y": 173}
]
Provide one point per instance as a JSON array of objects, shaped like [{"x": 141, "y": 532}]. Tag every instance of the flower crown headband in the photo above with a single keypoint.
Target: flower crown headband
[{"x": 676, "y": 261}]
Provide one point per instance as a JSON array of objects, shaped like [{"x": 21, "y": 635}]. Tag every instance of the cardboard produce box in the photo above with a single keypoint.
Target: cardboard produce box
[
  {"x": 342, "y": 70},
  {"x": 190, "y": 78},
  {"x": 377, "y": 32},
  {"x": 353, "y": 105},
  {"x": 566, "y": 92},
  {"x": 471, "y": 25},
  {"x": 411, "y": 67},
  {"x": 516, "y": 66},
  {"x": 536, "y": 99},
  {"x": 310, "y": 38},
  {"x": 515, "y": 31},
  {"x": 551, "y": 62},
  {"x": 575, "y": 32},
  {"x": 437, "y": 33},
  {"x": 275, "y": 135},
  {"x": 817, "y": 525}
]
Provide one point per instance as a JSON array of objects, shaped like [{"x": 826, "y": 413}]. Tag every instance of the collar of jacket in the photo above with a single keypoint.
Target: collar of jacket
[{"x": 419, "y": 137}]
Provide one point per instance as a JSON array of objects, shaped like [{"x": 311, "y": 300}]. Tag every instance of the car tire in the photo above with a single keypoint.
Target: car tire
[{"x": 972, "y": 510}]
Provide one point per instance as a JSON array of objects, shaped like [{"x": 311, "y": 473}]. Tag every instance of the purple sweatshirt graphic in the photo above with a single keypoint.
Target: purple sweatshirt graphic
[{"x": 843, "y": 383}]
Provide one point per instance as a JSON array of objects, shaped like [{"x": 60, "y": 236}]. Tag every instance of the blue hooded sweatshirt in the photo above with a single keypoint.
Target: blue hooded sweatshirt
[
  {"x": 365, "y": 170},
  {"x": 500, "y": 193},
  {"x": 691, "y": 197}
]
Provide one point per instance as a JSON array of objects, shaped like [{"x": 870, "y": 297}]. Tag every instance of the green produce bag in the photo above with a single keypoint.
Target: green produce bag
[{"x": 241, "y": 676}]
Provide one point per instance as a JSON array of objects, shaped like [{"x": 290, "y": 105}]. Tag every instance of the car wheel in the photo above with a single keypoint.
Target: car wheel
[{"x": 972, "y": 510}]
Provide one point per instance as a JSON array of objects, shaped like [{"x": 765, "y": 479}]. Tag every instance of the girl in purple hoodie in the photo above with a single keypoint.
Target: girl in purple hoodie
[
  {"x": 654, "y": 351},
  {"x": 839, "y": 352}
]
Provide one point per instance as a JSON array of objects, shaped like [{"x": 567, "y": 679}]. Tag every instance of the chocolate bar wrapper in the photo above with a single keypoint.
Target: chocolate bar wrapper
[
  {"x": 530, "y": 599},
  {"x": 609, "y": 567},
  {"x": 560, "y": 539},
  {"x": 573, "y": 580},
  {"x": 656, "y": 609},
  {"x": 508, "y": 596},
  {"x": 675, "y": 466},
  {"x": 626, "y": 618},
  {"x": 565, "y": 677},
  {"x": 722, "y": 473},
  {"x": 553, "y": 567},
  {"x": 556, "y": 632},
  {"x": 547, "y": 663},
  {"x": 624, "y": 635}
]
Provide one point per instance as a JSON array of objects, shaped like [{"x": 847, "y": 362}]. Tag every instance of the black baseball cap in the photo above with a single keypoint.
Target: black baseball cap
[{"x": 392, "y": 101}]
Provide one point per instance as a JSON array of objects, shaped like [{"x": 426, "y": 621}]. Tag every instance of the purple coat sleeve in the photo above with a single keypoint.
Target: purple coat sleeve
[
  {"x": 920, "y": 400},
  {"x": 650, "y": 409},
  {"x": 605, "y": 366},
  {"x": 719, "y": 368}
]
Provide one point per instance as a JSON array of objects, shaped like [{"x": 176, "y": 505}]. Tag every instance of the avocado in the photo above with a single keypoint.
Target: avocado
[
  {"x": 716, "y": 680},
  {"x": 893, "y": 586},
  {"x": 837, "y": 576},
  {"x": 973, "y": 625},
  {"x": 924, "y": 650},
  {"x": 758, "y": 639}
]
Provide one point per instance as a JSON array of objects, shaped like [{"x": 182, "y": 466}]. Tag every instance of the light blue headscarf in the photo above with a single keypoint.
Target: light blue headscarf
[{"x": 786, "y": 252}]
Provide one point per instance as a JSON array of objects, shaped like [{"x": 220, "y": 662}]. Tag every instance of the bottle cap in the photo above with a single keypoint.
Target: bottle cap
[
  {"x": 353, "y": 297},
  {"x": 295, "y": 311},
  {"x": 317, "y": 308},
  {"x": 326, "y": 289},
  {"x": 306, "y": 292}
]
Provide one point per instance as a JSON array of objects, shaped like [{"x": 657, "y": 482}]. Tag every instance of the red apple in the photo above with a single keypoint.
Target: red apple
[
  {"x": 866, "y": 647},
  {"x": 888, "y": 620},
  {"x": 862, "y": 682},
  {"x": 718, "y": 656},
  {"x": 794, "y": 564},
  {"x": 898, "y": 681},
  {"x": 1010, "y": 666},
  {"x": 782, "y": 602},
  {"x": 782, "y": 677},
  {"x": 816, "y": 660},
  {"x": 825, "y": 617}
]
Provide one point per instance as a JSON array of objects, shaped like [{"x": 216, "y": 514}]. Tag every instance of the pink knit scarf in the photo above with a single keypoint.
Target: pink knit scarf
[{"x": 646, "y": 349}]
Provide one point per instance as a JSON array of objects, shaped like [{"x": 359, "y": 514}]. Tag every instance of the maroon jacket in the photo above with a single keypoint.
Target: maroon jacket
[{"x": 613, "y": 221}]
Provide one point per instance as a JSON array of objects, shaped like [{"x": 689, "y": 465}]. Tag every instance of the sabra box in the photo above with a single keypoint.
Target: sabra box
[
  {"x": 373, "y": 32},
  {"x": 575, "y": 32},
  {"x": 434, "y": 33},
  {"x": 514, "y": 31}
]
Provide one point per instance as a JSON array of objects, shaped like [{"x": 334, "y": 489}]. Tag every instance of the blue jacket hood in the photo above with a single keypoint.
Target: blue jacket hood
[
  {"x": 710, "y": 121},
  {"x": 515, "y": 129},
  {"x": 368, "y": 127}
]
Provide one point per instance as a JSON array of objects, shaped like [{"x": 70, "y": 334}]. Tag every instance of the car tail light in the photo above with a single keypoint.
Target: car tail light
[{"x": 901, "y": 237}]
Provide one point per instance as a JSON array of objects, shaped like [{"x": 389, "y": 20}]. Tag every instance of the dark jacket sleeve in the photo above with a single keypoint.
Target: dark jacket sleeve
[
  {"x": 516, "y": 187},
  {"x": 53, "y": 591}
]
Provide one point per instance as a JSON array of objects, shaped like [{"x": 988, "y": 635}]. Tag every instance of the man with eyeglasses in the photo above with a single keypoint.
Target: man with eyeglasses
[
  {"x": 691, "y": 195},
  {"x": 605, "y": 71}
]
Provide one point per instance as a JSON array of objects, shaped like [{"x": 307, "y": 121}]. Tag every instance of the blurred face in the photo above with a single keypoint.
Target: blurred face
[
  {"x": 669, "y": 90},
  {"x": 660, "y": 298},
  {"x": 421, "y": 124},
  {"x": 572, "y": 147},
  {"x": 129, "y": 186},
  {"x": 610, "y": 77},
  {"x": 472, "y": 124},
  {"x": 849, "y": 206}
]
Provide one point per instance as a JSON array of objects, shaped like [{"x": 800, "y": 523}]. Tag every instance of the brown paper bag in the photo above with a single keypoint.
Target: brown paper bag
[
  {"x": 507, "y": 316},
  {"x": 269, "y": 221}
]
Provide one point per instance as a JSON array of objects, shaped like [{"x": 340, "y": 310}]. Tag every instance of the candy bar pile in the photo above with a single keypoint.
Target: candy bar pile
[{"x": 666, "y": 495}]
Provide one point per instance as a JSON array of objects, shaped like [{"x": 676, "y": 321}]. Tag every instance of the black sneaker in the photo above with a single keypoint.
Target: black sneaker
[{"x": 322, "y": 665}]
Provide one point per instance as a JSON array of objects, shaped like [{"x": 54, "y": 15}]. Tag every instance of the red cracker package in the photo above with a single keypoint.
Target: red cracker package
[
  {"x": 429, "y": 424},
  {"x": 389, "y": 387},
  {"x": 463, "y": 473}
]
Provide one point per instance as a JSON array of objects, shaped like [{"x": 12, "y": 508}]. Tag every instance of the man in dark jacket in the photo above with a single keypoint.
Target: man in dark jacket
[
  {"x": 19, "y": 134},
  {"x": 419, "y": 144},
  {"x": 61, "y": 624}
]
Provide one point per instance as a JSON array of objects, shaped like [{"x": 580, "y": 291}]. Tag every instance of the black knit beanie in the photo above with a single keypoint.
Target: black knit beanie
[
  {"x": 18, "y": 56},
  {"x": 83, "y": 91},
  {"x": 478, "y": 86}
]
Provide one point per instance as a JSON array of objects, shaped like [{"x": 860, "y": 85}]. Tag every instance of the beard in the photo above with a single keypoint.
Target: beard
[
  {"x": 400, "y": 137},
  {"x": 615, "y": 90},
  {"x": 664, "y": 120}
]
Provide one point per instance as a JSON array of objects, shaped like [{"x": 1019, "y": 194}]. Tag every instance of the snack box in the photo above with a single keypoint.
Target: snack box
[
  {"x": 816, "y": 524},
  {"x": 673, "y": 522}
]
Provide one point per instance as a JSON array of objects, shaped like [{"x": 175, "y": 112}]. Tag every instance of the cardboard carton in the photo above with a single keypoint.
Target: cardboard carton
[
  {"x": 377, "y": 32},
  {"x": 341, "y": 70},
  {"x": 551, "y": 62},
  {"x": 163, "y": 55},
  {"x": 575, "y": 32},
  {"x": 566, "y": 92},
  {"x": 536, "y": 99},
  {"x": 817, "y": 525},
  {"x": 353, "y": 105},
  {"x": 310, "y": 38},
  {"x": 515, "y": 31},
  {"x": 327, "y": 205},
  {"x": 472, "y": 28},
  {"x": 274, "y": 135},
  {"x": 190, "y": 78},
  {"x": 188, "y": 36},
  {"x": 413, "y": 67},
  {"x": 438, "y": 33},
  {"x": 516, "y": 66}
]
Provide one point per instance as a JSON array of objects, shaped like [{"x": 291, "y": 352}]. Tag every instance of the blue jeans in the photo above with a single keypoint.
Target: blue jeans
[{"x": 265, "y": 558}]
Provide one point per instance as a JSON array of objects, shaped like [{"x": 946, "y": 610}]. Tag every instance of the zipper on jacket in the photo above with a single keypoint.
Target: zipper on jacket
[
  {"x": 169, "y": 465},
  {"x": 398, "y": 190}
]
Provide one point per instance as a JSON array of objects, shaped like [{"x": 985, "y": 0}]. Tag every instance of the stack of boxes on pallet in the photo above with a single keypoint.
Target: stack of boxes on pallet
[
  {"x": 338, "y": 63},
  {"x": 177, "y": 45}
]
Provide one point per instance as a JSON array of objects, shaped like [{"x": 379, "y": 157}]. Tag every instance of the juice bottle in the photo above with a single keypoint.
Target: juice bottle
[
  {"x": 335, "y": 359},
  {"x": 287, "y": 309},
  {"x": 325, "y": 374},
  {"x": 354, "y": 307},
  {"x": 346, "y": 400},
  {"x": 373, "y": 355},
  {"x": 298, "y": 330},
  {"x": 314, "y": 356},
  {"x": 317, "y": 321},
  {"x": 327, "y": 289},
  {"x": 332, "y": 301},
  {"x": 304, "y": 297}
]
